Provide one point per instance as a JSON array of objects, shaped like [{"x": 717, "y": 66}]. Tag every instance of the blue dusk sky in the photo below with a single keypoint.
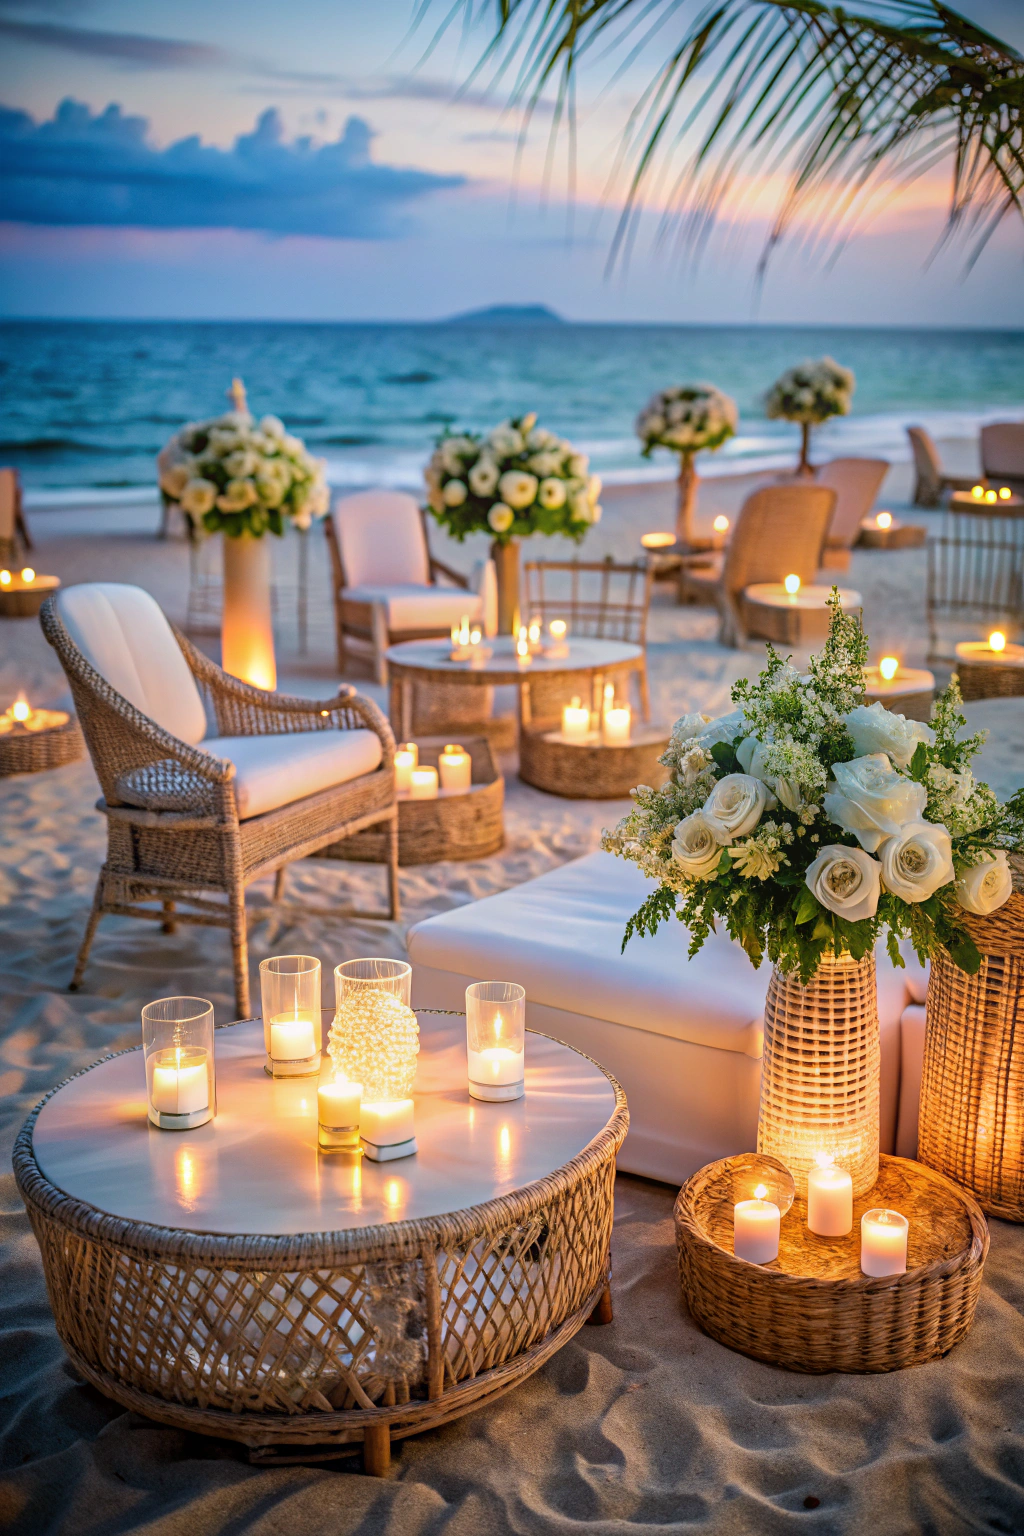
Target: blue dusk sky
[{"x": 327, "y": 160}]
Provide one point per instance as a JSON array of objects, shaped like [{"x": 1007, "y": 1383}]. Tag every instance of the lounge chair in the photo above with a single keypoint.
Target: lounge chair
[
  {"x": 856, "y": 483},
  {"x": 931, "y": 479},
  {"x": 1002, "y": 454}
]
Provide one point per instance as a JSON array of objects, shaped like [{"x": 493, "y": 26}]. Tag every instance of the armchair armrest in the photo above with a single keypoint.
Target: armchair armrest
[{"x": 455, "y": 577}]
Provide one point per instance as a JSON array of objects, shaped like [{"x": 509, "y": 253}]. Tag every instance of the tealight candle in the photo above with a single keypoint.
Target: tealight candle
[
  {"x": 533, "y": 634},
  {"x": 290, "y": 993},
  {"x": 575, "y": 720},
  {"x": 5, "y": 578},
  {"x": 292, "y": 1039},
  {"x": 495, "y": 1067},
  {"x": 495, "y": 1040},
  {"x": 178, "y": 1053},
  {"x": 1005, "y": 493},
  {"x": 792, "y": 585},
  {"x": 756, "y": 1228},
  {"x": 977, "y": 491},
  {"x": 883, "y": 1243},
  {"x": 456, "y": 768},
  {"x": 387, "y": 1129},
  {"x": 997, "y": 641},
  {"x": 657, "y": 540},
  {"x": 21, "y": 709},
  {"x": 180, "y": 1081},
  {"x": 28, "y": 575},
  {"x": 337, "y": 1105},
  {"x": 406, "y": 759},
  {"x": 883, "y": 520},
  {"x": 558, "y": 630},
  {"x": 721, "y": 528},
  {"x": 888, "y": 667},
  {"x": 616, "y": 726},
  {"x": 461, "y": 639},
  {"x": 423, "y": 784},
  {"x": 523, "y": 656},
  {"x": 990, "y": 497},
  {"x": 829, "y": 1199}
]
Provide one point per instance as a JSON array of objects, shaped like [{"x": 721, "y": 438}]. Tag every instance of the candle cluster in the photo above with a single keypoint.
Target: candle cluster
[
  {"x": 21, "y": 717},
  {"x": 419, "y": 781},
  {"x": 466, "y": 642},
  {"x": 989, "y": 495},
  {"x": 612, "y": 727}
]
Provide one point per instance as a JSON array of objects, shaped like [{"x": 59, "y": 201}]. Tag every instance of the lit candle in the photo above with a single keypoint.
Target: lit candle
[
  {"x": 337, "y": 1107},
  {"x": 423, "y": 784},
  {"x": 575, "y": 720},
  {"x": 533, "y": 634},
  {"x": 558, "y": 630},
  {"x": 21, "y": 710},
  {"x": 883, "y": 1243},
  {"x": 387, "y": 1129},
  {"x": 657, "y": 540},
  {"x": 829, "y": 1198},
  {"x": 997, "y": 641},
  {"x": 977, "y": 491},
  {"x": 721, "y": 528},
  {"x": 181, "y": 1082},
  {"x": 990, "y": 497},
  {"x": 883, "y": 520},
  {"x": 756, "y": 1229},
  {"x": 1005, "y": 493},
  {"x": 460, "y": 639},
  {"x": 292, "y": 1039},
  {"x": 495, "y": 1065},
  {"x": 5, "y": 578},
  {"x": 28, "y": 575},
  {"x": 406, "y": 757},
  {"x": 888, "y": 667},
  {"x": 616, "y": 726},
  {"x": 523, "y": 656},
  {"x": 792, "y": 585},
  {"x": 456, "y": 767}
]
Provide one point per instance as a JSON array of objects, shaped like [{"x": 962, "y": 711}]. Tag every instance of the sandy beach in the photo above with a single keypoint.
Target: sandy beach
[{"x": 645, "y": 1425}]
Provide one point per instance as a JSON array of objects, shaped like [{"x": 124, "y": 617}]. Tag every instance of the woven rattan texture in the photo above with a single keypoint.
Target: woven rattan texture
[
  {"x": 820, "y": 1073},
  {"x": 990, "y": 679},
  {"x": 35, "y": 751},
  {"x": 811, "y": 1309},
  {"x": 587, "y": 772},
  {"x": 308, "y": 1339},
  {"x": 971, "y": 1123}
]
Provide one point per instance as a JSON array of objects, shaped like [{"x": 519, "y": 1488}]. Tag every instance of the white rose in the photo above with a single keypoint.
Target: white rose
[
  {"x": 751, "y": 755},
  {"x": 690, "y": 766},
  {"x": 454, "y": 493},
  {"x": 174, "y": 480},
  {"x": 319, "y": 502},
  {"x": 917, "y": 861},
  {"x": 594, "y": 487},
  {"x": 198, "y": 497},
  {"x": 483, "y": 477},
  {"x": 689, "y": 726},
  {"x": 517, "y": 489},
  {"x": 985, "y": 887},
  {"x": 237, "y": 495},
  {"x": 653, "y": 425},
  {"x": 877, "y": 729},
  {"x": 540, "y": 437},
  {"x": 725, "y": 728},
  {"x": 735, "y": 806},
  {"x": 873, "y": 801},
  {"x": 846, "y": 881},
  {"x": 241, "y": 463},
  {"x": 551, "y": 494},
  {"x": 544, "y": 464},
  {"x": 578, "y": 464},
  {"x": 272, "y": 426},
  {"x": 695, "y": 847},
  {"x": 501, "y": 517}
]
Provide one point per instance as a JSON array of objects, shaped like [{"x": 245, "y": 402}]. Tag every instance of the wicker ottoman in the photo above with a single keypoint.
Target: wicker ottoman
[
  {"x": 23, "y": 599},
  {"x": 771, "y": 613},
  {"x": 590, "y": 770},
  {"x": 896, "y": 536},
  {"x": 988, "y": 674}
]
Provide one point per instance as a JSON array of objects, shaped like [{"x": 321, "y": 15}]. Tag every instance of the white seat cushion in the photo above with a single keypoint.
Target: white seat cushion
[
  {"x": 271, "y": 771},
  {"x": 412, "y": 607},
  {"x": 122, "y": 633},
  {"x": 380, "y": 535}
]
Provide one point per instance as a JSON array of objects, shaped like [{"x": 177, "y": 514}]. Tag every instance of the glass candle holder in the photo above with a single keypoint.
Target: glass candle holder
[
  {"x": 177, "y": 1045},
  {"x": 758, "y": 1176},
  {"x": 496, "y": 1039},
  {"x": 374, "y": 1040},
  {"x": 290, "y": 986},
  {"x": 337, "y": 1105}
]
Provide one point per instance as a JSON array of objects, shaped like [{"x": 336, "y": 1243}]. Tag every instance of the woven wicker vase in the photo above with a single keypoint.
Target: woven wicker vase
[
  {"x": 972, "y": 1086},
  {"x": 819, "y": 1076},
  {"x": 247, "y": 632}
]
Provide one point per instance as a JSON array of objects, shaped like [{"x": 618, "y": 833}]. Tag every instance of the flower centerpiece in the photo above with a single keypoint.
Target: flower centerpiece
[
  {"x": 687, "y": 419},
  {"x": 808, "y": 823},
  {"x": 243, "y": 478},
  {"x": 519, "y": 479},
  {"x": 809, "y": 394}
]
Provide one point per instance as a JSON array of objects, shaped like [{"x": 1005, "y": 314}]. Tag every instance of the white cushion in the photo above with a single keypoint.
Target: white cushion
[
  {"x": 380, "y": 534},
  {"x": 122, "y": 633},
  {"x": 411, "y": 607},
  {"x": 271, "y": 771}
]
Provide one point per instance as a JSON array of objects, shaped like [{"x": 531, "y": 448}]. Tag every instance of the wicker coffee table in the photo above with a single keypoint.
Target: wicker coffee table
[{"x": 234, "y": 1282}]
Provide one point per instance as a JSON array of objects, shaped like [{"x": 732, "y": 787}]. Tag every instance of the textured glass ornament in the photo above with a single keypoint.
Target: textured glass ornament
[{"x": 375, "y": 1036}]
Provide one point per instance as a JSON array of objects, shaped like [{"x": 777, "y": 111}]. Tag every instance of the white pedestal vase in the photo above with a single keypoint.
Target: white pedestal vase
[{"x": 247, "y": 634}]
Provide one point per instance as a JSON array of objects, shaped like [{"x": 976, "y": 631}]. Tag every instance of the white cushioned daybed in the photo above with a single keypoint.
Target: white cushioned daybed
[{"x": 683, "y": 1037}]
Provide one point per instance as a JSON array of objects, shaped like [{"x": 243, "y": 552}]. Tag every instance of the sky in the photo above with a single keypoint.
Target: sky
[{"x": 333, "y": 159}]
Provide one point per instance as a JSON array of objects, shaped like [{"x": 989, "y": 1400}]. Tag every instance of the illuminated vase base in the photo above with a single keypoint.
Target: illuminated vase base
[
  {"x": 338, "y": 1138},
  {"x": 388, "y": 1154},
  {"x": 496, "y": 1093},
  {"x": 304, "y": 1066},
  {"x": 165, "y": 1122}
]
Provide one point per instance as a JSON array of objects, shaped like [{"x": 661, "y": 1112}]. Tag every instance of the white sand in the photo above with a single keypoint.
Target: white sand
[{"x": 645, "y": 1425}]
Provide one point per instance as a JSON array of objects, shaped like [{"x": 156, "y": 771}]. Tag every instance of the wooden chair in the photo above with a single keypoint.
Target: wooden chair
[
  {"x": 385, "y": 578},
  {"x": 599, "y": 599},
  {"x": 15, "y": 539},
  {"x": 189, "y": 812},
  {"x": 931, "y": 479},
  {"x": 1002, "y": 454},
  {"x": 780, "y": 532},
  {"x": 856, "y": 483}
]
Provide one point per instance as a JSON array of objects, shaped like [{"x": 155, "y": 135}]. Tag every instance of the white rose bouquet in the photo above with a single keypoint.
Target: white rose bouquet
[
  {"x": 808, "y": 821},
  {"x": 809, "y": 394},
  {"x": 688, "y": 418},
  {"x": 518, "y": 480},
  {"x": 236, "y": 475}
]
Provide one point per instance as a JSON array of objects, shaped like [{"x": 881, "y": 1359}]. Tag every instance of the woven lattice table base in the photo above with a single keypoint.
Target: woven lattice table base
[{"x": 811, "y": 1309}]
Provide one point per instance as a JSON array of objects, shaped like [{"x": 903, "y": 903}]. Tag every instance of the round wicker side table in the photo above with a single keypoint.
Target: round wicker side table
[
  {"x": 811, "y": 1309},
  {"x": 590, "y": 770},
  {"x": 988, "y": 674},
  {"x": 34, "y": 751},
  {"x": 235, "y": 1282},
  {"x": 771, "y": 613}
]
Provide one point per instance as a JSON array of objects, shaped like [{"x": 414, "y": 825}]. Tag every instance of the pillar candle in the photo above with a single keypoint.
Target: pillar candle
[
  {"x": 616, "y": 726},
  {"x": 883, "y": 1243},
  {"x": 575, "y": 721},
  {"x": 292, "y": 1039},
  {"x": 181, "y": 1083},
  {"x": 756, "y": 1230},
  {"x": 423, "y": 785},
  {"x": 338, "y": 1104},
  {"x": 829, "y": 1200},
  {"x": 496, "y": 1065},
  {"x": 387, "y": 1122},
  {"x": 456, "y": 768},
  {"x": 406, "y": 758}
]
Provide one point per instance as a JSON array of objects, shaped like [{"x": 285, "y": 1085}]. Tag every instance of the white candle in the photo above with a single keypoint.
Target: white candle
[
  {"x": 387, "y": 1122},
  {"x": 756, "y": 1230},
  {"x": 456, "y": 767},
  {"x": 616, "y": 726},
  {"x": 181, "y": 1082},
  {"x": 292, "y": 1039},
  {"x": 575, "y": 721},
  {"x": 406, "y": 758},
  {"x": 496, "y": 1065},
  {"x": 883, "y": 1243},
  {"x": 337, "y": 1104},
  {"x": 829, "y": 1200},
  {"x": 423, "y": 784},
  {"x": 558, "y": 629}
]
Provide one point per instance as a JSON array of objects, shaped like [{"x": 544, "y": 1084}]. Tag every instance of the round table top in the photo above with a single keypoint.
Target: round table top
[
  {"x": 581, "y": 654},
  {"x": 256, "y": 1169},
  {"x": 772, "y": 594}
]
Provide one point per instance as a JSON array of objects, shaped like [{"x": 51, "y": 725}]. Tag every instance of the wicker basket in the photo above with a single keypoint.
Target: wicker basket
[
  {"x": 820, "y": 1073},
  {"x": 990, "y": 679},
  {"x": 590, "y": 770},
  {"x": 972, "y": 1086},
  {"x": 811, "y": 1309},
  {"x": 21, "y": 602},
  {"x": 466, "y": 826},
  {"x": 34, "y": 751}
]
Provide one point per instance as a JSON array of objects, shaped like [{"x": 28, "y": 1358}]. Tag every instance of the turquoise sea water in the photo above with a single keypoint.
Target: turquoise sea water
[{"x": 89, "y": 404}]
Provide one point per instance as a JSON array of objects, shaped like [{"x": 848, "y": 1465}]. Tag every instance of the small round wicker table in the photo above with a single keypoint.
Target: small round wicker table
[{"x": 233, "y": 1281}]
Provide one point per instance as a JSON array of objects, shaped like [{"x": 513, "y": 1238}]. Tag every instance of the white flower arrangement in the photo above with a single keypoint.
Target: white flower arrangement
[
  {"x": 687, "y": 418},
  {"x": 811, "y": 392},
  {"x": 809, "y": 822},
  {"x": 238, "y": 476},
  {"x": 517, "y": 480}
]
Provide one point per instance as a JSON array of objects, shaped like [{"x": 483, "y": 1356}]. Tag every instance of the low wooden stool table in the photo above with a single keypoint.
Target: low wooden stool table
[
  {"x": 234, "y": 1281},
  {"x": 590, "y": 769},
  {"x": 21, "y": 599},
  {"x": 988, "y": 674},
  {"x": 801, "y": 618}
]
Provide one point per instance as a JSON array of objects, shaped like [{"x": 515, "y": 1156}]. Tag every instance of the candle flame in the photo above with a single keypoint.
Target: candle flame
[
  {"x": 978, "y": 491},
  {"x": 888, "y": 666},
  {"x": 997, "y": 640},
  {"x": 475, "y": 636},
  {"x": 21, "y": 709},
  {"x": 721, "y": 524},
  {"x": 760, "y": 1192},
  {"x": 28, "y": 575},
  {"x": 5, "y": 578},
  {"x": 657, "y": 540},
  {"x": 792, "y": 585},
  {"x": 498, "y": 1026},
  {"x": 883, "y": 520},
  {"x": 990, "y": 496},
  {"x": 558, "y": 628},
  {"x": 1005, "y": 493}
]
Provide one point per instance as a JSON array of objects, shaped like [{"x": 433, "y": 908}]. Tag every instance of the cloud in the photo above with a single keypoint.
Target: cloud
[
  {"x": 127, "y": 47},
  {"x": 80, "y": 169}
]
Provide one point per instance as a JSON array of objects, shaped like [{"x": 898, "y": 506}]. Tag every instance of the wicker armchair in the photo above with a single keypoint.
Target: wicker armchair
[
  {"x": 176, "y": 830},
  {"x": 856, "y": 483},
  {"x": 1002, "y": 454},
  {"x": 930, "y": 479}
]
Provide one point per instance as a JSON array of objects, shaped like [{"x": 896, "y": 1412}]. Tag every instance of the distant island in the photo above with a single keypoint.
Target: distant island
[{"x": 507, "y": 314}]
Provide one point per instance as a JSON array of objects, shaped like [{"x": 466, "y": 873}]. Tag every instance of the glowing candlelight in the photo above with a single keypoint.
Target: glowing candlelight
[
  {"x": 997, "y": 641},
  {"x": 180, "y": 1081},
  {"x": 456, "y": 767},
  {"x": 977, "y": 491},
  {"x": 1005, "y": 493},
  {"x": 558, "y": 629},
  {"x": 615, "y": 726},
  {"x": 523, "y": 656},
  {"x": 533, "y": 634},
  {"x": 657, "y": 540},
  {"x": 575, "y": 720},
  {"x": 792, "y": 585},
  {"x": 990, "y": 497},
  {"x": 495, "y": 1039},
  {"x": 829, "y": 1198},
  {"x": 883, "y": 1243},
  {"x": 28, "y": 575},
  {"x": 292, "y": 1039},
  {"x": 407, "y": 757},
  {"x": 338, "y": 1109},
  {"x": 21, "y": 709},
  {"x": 423, "y": 784},
  {"x": 721, "y": 524},
  {"x": 5, "y": 578},
  {"x": 756, "y": 1228},
  {"x": 883, "y": 520},
  {"x": 888, "y": 667}
]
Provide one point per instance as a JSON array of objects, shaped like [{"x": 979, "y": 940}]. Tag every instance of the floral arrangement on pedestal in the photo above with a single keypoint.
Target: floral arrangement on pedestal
[
  {"x": 687, "y": 419},
  {"x": 809, "y": 394},
  {"x": 808, "y": 822}
]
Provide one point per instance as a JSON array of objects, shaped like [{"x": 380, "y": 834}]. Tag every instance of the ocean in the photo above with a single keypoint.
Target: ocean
[{"x": 87, "y": 405}]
